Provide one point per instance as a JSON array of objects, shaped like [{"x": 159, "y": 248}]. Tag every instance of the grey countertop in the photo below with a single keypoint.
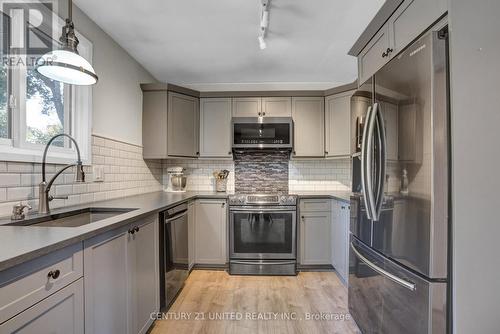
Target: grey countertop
[
  {"x": 19, "y": 244},
  {"x": 344, "y": 196}
]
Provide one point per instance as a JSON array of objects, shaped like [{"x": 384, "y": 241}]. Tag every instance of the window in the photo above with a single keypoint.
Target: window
[{"x": 34, "y": 108}]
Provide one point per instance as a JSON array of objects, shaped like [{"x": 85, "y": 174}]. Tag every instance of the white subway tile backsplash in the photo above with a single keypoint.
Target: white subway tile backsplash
[{"x": 125, "y": 174}]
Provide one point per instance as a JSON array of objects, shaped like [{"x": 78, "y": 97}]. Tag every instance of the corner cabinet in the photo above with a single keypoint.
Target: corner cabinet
[
  {"x": 309, "y": 127},
  {"x": 211, "y": 232},
  {"x": 170, "y": 124},
  {"x": 338, "y": 125},
  {"x": 122, "y": 279},
  {"x": 409, "y": 20},
  {"x": 215, "y": 128}
]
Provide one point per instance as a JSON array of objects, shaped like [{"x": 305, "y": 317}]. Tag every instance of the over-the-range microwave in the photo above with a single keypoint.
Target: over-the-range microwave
[{"x": 262, "y": 132}]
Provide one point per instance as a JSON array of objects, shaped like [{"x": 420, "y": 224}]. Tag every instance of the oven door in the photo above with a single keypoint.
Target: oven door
[{"x": 262, "y": 233}]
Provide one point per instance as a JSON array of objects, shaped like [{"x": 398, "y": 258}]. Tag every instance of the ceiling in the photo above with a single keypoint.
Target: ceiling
[{"x": 212, "y": 45}]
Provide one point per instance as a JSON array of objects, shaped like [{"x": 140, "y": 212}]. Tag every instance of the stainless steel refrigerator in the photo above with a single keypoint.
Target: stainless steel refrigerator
[{"x": 398, "y": 255}]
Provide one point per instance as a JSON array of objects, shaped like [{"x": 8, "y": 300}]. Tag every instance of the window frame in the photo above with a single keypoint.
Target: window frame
[{"x": 79, "y": 111}]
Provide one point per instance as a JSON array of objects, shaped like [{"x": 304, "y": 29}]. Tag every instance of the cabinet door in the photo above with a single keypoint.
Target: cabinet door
[
  {"x": 342, "y": 240},
  {"x": 183, "y": 122},
  {"x": 247, "y": 107},
  {"x": 215, "y": 128},
  {"x": 191, "y": 233},
  {"x": 144, "y": 274},
  {"x": 154, "y": 124},
  {"x": 211, "y": 232},
  {"x": 390, "y": 115},
  {"x": 372, "y": 57},
  {"x": 411, "y": 19},
  {"x": 60, "y": 313},
  {"x": 309, "y": 124},
  {"x": 277, "y": 106},
  {"x": 107, "y": 282},
  {"x": 338, "y": 125},
  {"x": 315, "y": 242}
]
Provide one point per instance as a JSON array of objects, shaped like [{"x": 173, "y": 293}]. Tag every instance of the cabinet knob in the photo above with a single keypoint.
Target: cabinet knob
[
  {"x": 263, "y": 114},
  {"x": 136, "y": 229},
  {"x": 387, "y": 52},
  {"x": 260, "y": 114},
  {"x": 54, "y": 274},
  {"x": 229, "y": 153},
  {"x": 302, "y": 217},
  {"x": 131, "y": 231},
  {"x": 326, "y": 152}
]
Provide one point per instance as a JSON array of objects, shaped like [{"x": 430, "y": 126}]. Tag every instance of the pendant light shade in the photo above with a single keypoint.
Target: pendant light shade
[{"x": 66, "y": 65}]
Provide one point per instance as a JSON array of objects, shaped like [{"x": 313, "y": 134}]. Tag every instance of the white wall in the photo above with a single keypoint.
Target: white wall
[
  {"x": 475, "y": 69},
  {"x": 117, "y": 97}
]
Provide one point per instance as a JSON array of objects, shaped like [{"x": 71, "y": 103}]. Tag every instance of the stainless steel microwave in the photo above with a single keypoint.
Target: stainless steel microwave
[{"x": 262, "y": 132}]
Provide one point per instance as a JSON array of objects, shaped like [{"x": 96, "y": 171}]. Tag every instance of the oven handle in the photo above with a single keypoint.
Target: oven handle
[
  {"x": 263, "y": 210},
  {"x": 374, "y": 267},
  {"x": 262, "y": 262},
  {"x": 168, "y": 220}
]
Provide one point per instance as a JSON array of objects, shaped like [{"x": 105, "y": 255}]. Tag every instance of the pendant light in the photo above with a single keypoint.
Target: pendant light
[{"x": 66, "y": 65}]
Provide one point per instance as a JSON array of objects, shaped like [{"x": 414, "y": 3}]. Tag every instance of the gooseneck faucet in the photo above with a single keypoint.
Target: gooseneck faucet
[{"x": 44, "y": 187}]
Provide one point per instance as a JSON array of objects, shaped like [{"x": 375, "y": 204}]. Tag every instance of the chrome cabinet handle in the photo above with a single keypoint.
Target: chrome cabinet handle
[
  {"x": 364, "y": 167},
  {"x": 392, "y": 277}
]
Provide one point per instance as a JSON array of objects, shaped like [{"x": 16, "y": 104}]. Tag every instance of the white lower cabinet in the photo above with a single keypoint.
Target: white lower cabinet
[
  {"x": 60, "y": 313},
  {"x": 121, "y": 279},
  {"x": 211, "y": 232},
  {"x": 340, "y": 238},
  {"x": 314, "y": 232}
]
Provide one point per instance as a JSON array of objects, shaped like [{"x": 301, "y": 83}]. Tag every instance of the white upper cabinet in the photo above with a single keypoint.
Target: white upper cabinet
[
  {"x": 277, "y": 106},
  {"x": 183, "y": 123},
  {"x": 309, "y": 126},
  {"x": 410, "y": 19},
  {"x": 374, "y": 55},
  {"x": 338, "y": 125},
  {"x": 215, "y": 128},
  {"x": 170, "y": 125},
  {"x": 247, "y": 107}
]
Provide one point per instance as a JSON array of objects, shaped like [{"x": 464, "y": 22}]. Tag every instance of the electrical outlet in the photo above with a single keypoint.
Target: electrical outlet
[{"x": 98, "y": 172}]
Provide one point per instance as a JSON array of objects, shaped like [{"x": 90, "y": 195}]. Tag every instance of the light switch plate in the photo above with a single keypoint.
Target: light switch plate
[{"x": 98, "y": 172}]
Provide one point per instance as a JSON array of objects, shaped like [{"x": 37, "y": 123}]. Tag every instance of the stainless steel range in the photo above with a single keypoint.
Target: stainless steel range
[{"x": 262, "y": 234}]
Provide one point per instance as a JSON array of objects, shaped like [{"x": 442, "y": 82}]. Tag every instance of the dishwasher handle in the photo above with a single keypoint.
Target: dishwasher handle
[{"x": 177, "y": 216}]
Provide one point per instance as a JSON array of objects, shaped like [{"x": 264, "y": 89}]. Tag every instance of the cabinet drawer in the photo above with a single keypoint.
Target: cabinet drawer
[
  {"x": 320, "y": 204},
  {"x": 61, "y": 313},
  {"x": 25, "y": 285}
]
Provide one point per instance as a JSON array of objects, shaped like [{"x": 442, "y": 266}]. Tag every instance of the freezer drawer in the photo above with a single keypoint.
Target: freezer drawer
[{"x": 387, "y": 298}]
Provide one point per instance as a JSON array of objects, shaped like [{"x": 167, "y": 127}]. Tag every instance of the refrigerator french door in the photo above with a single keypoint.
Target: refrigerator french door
[{"x": 398, "y": 267}]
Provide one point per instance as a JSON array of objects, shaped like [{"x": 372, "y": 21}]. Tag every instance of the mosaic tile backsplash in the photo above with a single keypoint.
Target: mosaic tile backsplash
[{"x": 261, "y": 172}]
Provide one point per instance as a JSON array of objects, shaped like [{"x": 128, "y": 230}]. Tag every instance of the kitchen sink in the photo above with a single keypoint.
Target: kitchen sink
[{"x": 73, "y": 218}]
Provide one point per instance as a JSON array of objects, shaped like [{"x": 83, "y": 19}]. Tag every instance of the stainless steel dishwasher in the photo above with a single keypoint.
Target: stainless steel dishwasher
[{"x": 174, "y": 265}]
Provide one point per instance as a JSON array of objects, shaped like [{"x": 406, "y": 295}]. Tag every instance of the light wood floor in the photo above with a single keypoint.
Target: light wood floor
[{"x": 208, "y": 294}]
